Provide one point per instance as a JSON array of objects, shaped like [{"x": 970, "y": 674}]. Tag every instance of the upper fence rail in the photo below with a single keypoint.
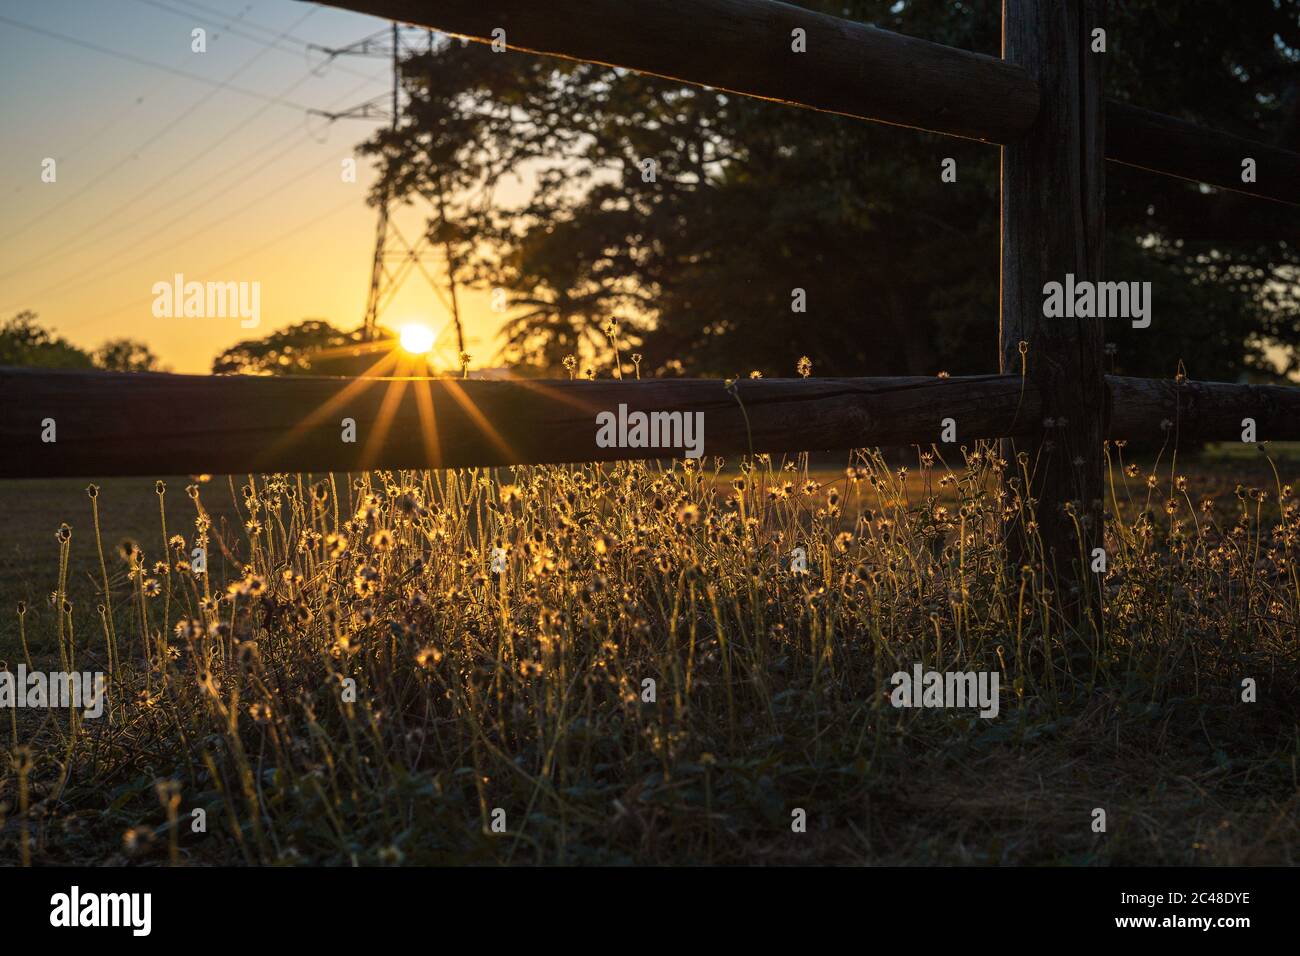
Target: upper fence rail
[{"x": 744, "y": 47}]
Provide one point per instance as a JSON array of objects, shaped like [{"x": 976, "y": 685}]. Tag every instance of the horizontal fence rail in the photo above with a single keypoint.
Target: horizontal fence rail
[
  {"x": 1174, "y": 147},
  {"x": 744, "y": 47},
  {"x": 108, "y": 423},
  {"x": 1141, "y": 408}
]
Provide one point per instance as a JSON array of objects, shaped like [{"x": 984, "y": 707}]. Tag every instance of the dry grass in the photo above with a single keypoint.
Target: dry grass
[{"x": 524, "y": 690}]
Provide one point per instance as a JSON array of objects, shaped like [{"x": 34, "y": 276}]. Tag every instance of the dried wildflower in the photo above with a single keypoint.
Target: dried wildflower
[
  {"x": 364, "y": 581},
  {"x": 189, "y": 628},
  {"x": 408, "y": 505},
  {"x": 137, "y": 839}
]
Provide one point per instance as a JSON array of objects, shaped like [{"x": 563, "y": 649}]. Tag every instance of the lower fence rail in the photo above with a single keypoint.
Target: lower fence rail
[{"x": 99, "y": 424}]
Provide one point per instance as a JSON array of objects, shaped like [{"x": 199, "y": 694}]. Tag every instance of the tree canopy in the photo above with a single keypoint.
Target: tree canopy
[
  {"x": 288, "y": 351},
  {"x": 692, "y": 216},
  {"x": 25, "y": 342},
  {"x": 126, "y": 355}
]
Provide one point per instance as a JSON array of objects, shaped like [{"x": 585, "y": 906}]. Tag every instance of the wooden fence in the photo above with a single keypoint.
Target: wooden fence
[
  {"x": 1041, "y": 103},
  {"x": 115, "y": 423}
]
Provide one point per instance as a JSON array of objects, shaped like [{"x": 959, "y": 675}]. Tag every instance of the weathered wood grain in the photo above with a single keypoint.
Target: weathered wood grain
[
  {"x": 112, "y": 423},
  {"x": 1185, "y": 413},
  {"x": 147, "y": 424},
  {"x": 744, "y": 46},
  {"x": 1174, "y": 147},
  {"x": 1053, "y": 224}
]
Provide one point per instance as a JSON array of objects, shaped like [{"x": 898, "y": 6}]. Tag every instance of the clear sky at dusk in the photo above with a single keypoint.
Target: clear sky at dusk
[{"x": 205, "y": 164}]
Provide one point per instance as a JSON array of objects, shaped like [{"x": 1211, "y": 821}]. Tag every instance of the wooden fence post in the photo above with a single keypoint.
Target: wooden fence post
[{"x": 1053, "y": 196}]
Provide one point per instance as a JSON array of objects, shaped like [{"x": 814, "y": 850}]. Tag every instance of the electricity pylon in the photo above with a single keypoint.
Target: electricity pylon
[{"x": 395, "y": 256}]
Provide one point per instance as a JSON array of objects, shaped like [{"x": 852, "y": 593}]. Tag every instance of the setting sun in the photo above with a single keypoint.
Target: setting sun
[{"x": 416, "y": 339}]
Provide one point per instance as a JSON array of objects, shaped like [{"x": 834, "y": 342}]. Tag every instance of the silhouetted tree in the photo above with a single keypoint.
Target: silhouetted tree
[
  {"x": 24, "y": 342},
  {"x": 288, "y": 351},
  {"x": 126, "y": 355},
  {"x": 751, "y": 200}
]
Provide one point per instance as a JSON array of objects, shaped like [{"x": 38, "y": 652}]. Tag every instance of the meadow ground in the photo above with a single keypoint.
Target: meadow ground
[{"x": 351, "y": 682}]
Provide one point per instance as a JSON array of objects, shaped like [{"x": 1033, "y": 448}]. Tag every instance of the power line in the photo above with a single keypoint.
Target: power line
[
  {"x": 171, "y": 242},
  {"x": 152, "y": 64},
  {"x": 109, "y": 219},
  {"x": 163, "y": 131},
  {"x": 214, "y": 185},
  {"x": 240, "y": 18},
  {"x": 65, "y": 155},
  {"x": 229, "y": 262},
  {"x": 304, "y": 46},
  {"x": 367, "y": 46}
]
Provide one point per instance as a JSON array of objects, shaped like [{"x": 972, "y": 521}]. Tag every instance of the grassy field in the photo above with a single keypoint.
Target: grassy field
[{"x": 352, "y": 682}]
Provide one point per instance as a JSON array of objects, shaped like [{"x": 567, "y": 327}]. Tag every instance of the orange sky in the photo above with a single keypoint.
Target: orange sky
[{"x": 205, "y": 164}]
